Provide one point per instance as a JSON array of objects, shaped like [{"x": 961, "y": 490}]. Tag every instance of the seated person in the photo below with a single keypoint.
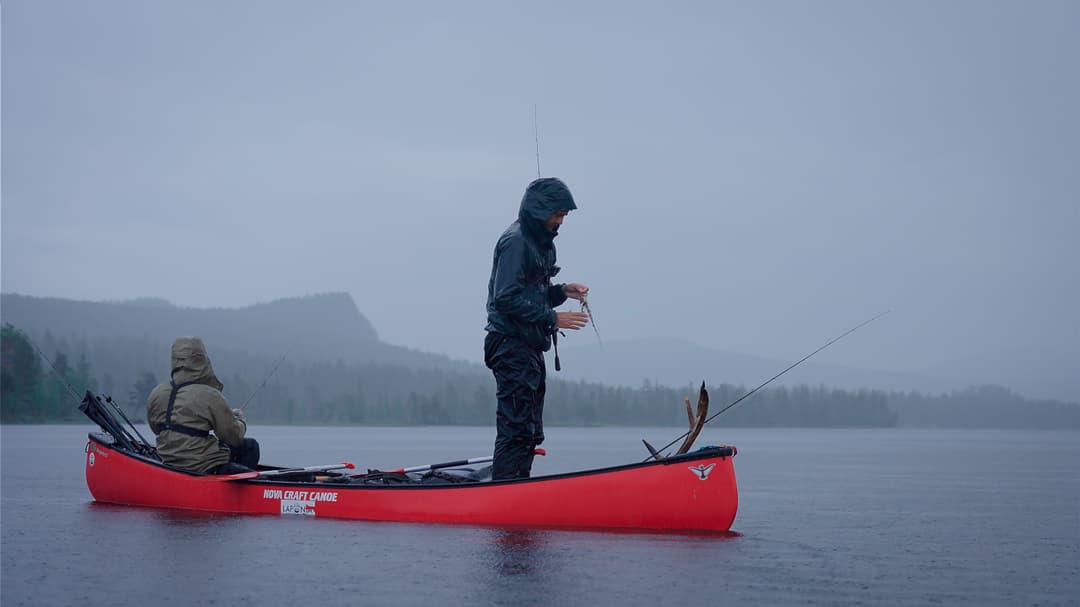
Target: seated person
[{"x": 184, "y": 411}]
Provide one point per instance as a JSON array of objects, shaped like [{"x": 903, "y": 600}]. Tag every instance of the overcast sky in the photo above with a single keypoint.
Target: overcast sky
[{"x": 755, "y": 176}]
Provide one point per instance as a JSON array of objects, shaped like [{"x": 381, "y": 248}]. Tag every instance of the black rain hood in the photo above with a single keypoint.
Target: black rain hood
[
  {"x": 542, "y": 199},
  {"x": 521, "y": 298}
]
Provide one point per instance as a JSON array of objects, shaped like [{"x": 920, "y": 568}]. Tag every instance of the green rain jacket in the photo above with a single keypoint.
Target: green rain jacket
[{"x": 199, "y": 408}]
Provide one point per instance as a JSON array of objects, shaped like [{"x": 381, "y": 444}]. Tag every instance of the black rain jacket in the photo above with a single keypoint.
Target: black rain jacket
[{"x": 521, "y": 298}]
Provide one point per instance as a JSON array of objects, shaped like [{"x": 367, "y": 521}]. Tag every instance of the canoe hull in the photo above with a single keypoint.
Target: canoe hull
[{"x": 694, "y": 492}]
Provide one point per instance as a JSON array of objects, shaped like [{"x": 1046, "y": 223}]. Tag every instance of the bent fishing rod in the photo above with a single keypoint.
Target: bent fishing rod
[{"x": 774, "y": 377}]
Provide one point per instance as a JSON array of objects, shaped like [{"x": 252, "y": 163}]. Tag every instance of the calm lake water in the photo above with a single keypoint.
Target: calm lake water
[{"x": 827, "y": 517}]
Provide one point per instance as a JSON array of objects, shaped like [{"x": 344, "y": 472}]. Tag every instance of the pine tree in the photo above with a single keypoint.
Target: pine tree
[{"x": 20, "y": 379}]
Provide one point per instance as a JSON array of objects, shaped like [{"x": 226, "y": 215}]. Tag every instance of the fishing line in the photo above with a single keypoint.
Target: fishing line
[
  {"x": 271, "y": 374},
  {"x": 744, "y": 396}
]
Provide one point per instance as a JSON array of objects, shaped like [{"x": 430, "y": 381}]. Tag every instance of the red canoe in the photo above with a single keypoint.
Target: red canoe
[{"x": 691, "y": 492}]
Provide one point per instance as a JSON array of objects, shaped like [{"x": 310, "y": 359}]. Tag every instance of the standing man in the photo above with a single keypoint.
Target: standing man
[
  {"x": 522, "y": 322},
  {"x": 184, "y": 411}
]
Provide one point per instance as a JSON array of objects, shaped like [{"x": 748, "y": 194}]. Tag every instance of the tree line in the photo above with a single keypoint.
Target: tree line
[{"x": 284, "y": 392}]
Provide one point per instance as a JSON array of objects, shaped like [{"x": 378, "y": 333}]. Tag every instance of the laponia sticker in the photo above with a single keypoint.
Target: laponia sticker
[{"x": 302, "y": 508}]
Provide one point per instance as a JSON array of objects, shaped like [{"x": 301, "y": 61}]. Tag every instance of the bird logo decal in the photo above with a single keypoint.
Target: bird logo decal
[{"x": 702, "y": 471}]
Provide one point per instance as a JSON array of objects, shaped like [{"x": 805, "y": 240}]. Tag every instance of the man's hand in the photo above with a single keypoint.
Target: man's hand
[
  {"x": 238, "y": 413},
  {"x": 575, "y": 290},
  {"x": 571, "y": 320}
]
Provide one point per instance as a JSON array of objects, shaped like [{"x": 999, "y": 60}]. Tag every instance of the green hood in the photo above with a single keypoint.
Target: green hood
[{"x": 191, "y": 364}]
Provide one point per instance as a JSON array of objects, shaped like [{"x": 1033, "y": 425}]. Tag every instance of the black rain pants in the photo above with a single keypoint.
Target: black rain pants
[
  {"x": 244, "y": 458},
  {"x": 520, "y": 380}
]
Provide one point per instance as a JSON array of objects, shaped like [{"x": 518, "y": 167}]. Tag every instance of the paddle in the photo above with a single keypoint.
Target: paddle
[
  {"x": 239, "y": 476},
  {"x": 460, "y": 462}
]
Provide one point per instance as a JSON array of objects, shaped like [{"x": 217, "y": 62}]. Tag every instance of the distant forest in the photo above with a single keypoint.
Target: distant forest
[{"x": 309, "y": 392}]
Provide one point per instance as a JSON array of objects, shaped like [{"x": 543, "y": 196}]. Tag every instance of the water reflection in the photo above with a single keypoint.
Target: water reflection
[
  {"x": 171, "y": 517},
  {"x": 519, "y": 566},
  {"x": 517, "y": 551}
]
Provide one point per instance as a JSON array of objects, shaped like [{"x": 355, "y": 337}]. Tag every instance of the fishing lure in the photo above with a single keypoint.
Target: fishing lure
[{"x": 585, "y": 308}]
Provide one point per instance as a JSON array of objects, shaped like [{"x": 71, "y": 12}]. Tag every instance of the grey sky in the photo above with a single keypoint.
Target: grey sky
[{"x": 755, "y": 177}]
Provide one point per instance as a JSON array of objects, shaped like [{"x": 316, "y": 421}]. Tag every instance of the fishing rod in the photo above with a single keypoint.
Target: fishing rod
[
  {"x": 656, "y": 453},
  {"x": 108, "y": 399},
  {"x": 271, "y": 374},
  {"x": 55, "y": 370},
  {"x": 584, "y": 304},
  {"x": 536, "y": 135}
]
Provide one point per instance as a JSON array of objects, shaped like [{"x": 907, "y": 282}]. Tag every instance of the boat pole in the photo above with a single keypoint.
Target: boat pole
[{"x": 655, "y": 454}]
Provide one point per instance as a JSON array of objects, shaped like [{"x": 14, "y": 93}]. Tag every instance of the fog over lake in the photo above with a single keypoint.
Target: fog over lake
[{"x": 751, "y": 178}]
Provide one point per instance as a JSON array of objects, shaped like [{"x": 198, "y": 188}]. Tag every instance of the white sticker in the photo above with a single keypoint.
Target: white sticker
[
  {"x": 702, "y": 471},
  {"x": 303, "y": 508},
  {"x": 91, "y": 459}
]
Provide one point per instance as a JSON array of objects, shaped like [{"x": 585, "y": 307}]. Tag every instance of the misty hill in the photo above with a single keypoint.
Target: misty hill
[
  {"x": 1035, "y": 372},
  {"x": 338, "y": 371},
  {"x": 325, "y": 327},
  {"x": 677, "y": 362}
]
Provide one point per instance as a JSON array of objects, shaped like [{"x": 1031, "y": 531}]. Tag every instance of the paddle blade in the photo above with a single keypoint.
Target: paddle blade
[{"x": 652, "y": 450}]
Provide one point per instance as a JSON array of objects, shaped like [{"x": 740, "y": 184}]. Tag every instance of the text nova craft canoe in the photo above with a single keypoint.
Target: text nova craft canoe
[{"x": 691, "y": 492}]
